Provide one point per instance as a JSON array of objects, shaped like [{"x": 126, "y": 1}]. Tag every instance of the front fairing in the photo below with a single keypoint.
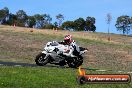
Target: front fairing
[{"x": 49, "y": 49}]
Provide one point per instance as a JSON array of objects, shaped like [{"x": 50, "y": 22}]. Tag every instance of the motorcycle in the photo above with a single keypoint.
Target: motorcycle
[{"x": 55, "y": 53}]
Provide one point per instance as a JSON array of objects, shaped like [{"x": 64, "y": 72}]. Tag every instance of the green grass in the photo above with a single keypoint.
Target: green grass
[{"x": 44, "y": 77}]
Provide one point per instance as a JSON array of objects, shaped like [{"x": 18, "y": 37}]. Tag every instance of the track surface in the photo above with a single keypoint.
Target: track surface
[
  {"x": 27, "y": 65},
  {"x": 16, "y": 64},
  {"x": 57, "y": 66}
]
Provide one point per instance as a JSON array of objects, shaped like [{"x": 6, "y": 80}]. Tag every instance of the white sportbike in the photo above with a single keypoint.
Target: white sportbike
[{"x": 58, "y": 54}]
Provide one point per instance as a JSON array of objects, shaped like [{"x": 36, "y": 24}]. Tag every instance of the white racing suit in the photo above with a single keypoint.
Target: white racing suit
[{"x": 73, "y": 49}]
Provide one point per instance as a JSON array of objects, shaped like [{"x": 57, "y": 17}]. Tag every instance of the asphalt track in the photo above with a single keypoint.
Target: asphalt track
[
  {"x": 16, "y": 64},
  {"x": 57, "y": 66},
  {"x": 24, "y": 64},
  {"x": 34, "y": 65}
]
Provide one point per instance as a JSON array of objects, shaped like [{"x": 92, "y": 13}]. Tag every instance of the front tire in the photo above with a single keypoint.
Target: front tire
[{"x": 40, "y": 59}]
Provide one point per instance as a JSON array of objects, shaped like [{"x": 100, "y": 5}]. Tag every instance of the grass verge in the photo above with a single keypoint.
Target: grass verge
[{"x": 44, "y": 77}]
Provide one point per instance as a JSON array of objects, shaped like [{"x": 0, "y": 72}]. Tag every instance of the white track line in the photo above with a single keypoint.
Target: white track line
[
  {"x": 129, "y": 72},
  {"x": 17, "y": 65},
  {"x": 1, "y": 64},
  {"x": 120, "y": 71},
  {"x": 113, "y": 71},
  {"x": 101, "y": 70},
  {"x": 116, "y": 71}
]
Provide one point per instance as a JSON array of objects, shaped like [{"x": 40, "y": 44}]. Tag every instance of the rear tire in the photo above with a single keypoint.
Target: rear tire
[
  {"x": 40, "y": 59},
  {"x": 76, "y": 62},
  {"x": 80, "y": 61},
  {"x": 72, "y": 65},
  {"x": 62, "y": 63}
]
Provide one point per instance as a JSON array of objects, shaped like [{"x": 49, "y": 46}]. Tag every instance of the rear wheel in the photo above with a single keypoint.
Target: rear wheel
[
  {"x": 80, "y": 61},
  {"x": 62, "y": 63},
  {"x": 72, "y": 65},
  {"x": 76, "y": 62},
  {"x": 41, "y": 60}
]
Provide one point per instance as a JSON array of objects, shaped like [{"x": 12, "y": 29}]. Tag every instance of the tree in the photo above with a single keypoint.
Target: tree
[
  {"x": 6, "y": 10},
  {"x": 21, "y": 17},
  {"x": 90, "y": 20},
  {"x": 43, "y": 20},
  {"x": 131, "y": 22},
  {"x": 12, "y": 19},
  {"x": 90, "y": 24},
  {"x": 4, "y": 13},
  {"x": 79, "y": 24},
  {"x": 55, "y": 24},
  {"x": 108, "y": 20},
  {"x": 21, "y": 14},
  {"x": 39, "y": 18},
  {"x": 47, "y": 19},
  {"x": 30, "y": 22},
  {"x": 60, "y": 18},
  {"x": 68, "y": 25},
  {"x": 123, "y": 24}
]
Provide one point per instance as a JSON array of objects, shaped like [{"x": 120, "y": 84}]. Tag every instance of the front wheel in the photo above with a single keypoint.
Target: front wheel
[{"x": 41, "y": 60}]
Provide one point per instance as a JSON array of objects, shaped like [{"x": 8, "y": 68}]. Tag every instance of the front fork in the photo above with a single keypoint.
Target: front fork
[{"x": 47, "y": 55}]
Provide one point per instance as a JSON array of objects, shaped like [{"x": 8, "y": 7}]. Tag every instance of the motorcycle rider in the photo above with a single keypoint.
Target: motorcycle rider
[{"x": 73, "y": 48}]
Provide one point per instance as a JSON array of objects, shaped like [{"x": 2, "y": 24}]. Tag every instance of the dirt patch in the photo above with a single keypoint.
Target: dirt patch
[{"x": 107, "y": 57}]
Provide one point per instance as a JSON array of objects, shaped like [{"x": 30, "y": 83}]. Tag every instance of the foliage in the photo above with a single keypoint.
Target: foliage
[
  {"x": 68, "y": 25},
  {"x": 4, "y": 13},
  {"x": 131, "y": 22},
  {"x": 79, "y": 24},
  {"x": 30, "y": 22},
  {"x": 44, "y": 21},
  {"x": 55, "y": 24},
  {"x": 47, "y": 19},
  {"x": 21, "y": 17},
  {"x": 60, "y": 18},
  {"x": 41, "y": 20},
  {"x": 12, "y": 19},
  {"x": 90, "y": 24},
  {"x": 123, "y": 24}
]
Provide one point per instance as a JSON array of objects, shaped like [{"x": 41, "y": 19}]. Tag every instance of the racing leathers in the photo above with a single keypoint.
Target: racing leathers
[{"x": 73, "y": 49}]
